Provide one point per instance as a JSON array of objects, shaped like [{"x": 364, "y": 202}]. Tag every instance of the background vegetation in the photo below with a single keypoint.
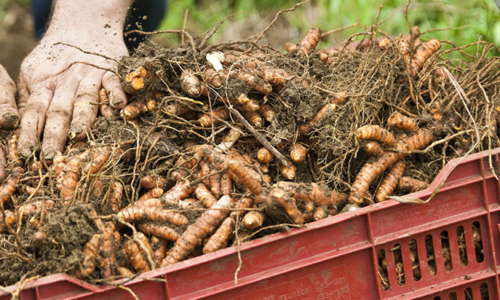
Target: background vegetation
[{"x": 469, "y": 20}]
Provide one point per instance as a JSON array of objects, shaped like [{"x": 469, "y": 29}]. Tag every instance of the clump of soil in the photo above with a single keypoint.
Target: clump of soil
[{"x": 67, "y": 231}]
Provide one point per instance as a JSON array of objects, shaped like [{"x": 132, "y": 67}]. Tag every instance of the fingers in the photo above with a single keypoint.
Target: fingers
[
  {"x": 117, "y": 98},
  {"x": 2, "y": 165},
  {"x": 8, "y": 110},
  {"x": 85, "y": 108},
  {"x": 33, "y": 120},
  {"x": 58, "y": 119},
  {"x": 23, "y": 94}
]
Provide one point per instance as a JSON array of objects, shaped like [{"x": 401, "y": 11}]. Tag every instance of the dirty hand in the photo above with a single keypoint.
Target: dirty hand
[
  {"x": 59, "y": 83},
  {"x": 8, "y": 110}
]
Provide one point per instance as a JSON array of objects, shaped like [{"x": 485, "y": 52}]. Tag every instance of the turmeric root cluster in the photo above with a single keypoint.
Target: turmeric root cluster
[
  {"x": 392, "y": 159},
  {"x": 227, "y": 143}
]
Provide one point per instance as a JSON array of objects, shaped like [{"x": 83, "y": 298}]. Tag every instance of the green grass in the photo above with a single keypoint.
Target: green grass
[{"x": 470, "y": 20}]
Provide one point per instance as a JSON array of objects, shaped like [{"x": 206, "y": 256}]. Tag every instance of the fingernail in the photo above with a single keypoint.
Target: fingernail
[
  {"x": 11, "y": 117},
  {"x": 74, "y": 131},
  {"x": 28, "y": 150},
  {"x": 117, "y": 101},
  {"x": 50, "y": 153}
]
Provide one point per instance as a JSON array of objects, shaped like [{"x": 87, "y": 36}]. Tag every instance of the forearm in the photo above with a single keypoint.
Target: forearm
[{"x": 82, "y": 14}]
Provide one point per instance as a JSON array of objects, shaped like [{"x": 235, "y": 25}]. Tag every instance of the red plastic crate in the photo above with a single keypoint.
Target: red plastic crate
[{"x": 336, "y": 258}]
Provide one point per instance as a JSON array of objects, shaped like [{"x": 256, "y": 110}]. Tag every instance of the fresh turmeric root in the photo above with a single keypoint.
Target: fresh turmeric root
[
  {"x": 90, "y": 251},
  {"x": 267, "y": 112},
  {"x": 7, "y": 220},
  {"x": 115, "y": 197},
  {"x": 372, "y": 170},
  {"x": 258, "y": 84},
  {"x": 12, "y": 152},
  {"x": 97, "y": 163},
  {"x": 246, "y": 176},
  {"x": 253, "y": 220},
  {"x": 220, "y": 238},
  {"x": 397, "y": 120},
  {"x": 9, "y": 187},
  {"x": 288, "y": 172},
  {"x": 159, "y": 231},
  {"x": 106, "y": 111},
  {"x": 298, "y": 153},
  {"x": 134, "y": 81},
  {"x": 133, "y": 110},
  {"x": 306, "y": 127},
  {"x": 152, "y": 193},
  {"x": 377, "y": 133},
  {"x": 135, "y": 213},
  {"x": 313, "y": 193},
  {"x": 215, "y": 117},
  {"x": 239, "y": 211},
  {"x": 204, "y": 195},
  {"x": 69, "y": 179},
  {"x": 226, "y": 184},
  {"x": 196, "y": 232},
  {"x": 390, "y": 182},
  {"x": 212, "y": 77},
  {"x": 422, "y": 53},
  {"x": 190, "y": 83},
  {"x": 148, "y": 182},
  {"x": 310, "y": 41},
  {"x": 276, "y": 76},
  {"x": 135, "y": 258},
  {"x": 264, "y": 156},
  {"x": 411, "y": 185},
  {"x": 373, "y": 148},
  {"x": 280, "y": 197}
]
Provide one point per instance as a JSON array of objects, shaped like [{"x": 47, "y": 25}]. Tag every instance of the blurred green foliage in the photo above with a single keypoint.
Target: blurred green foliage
[
  {"x": 468, "y": 21},
  {"x": 5, "y": 3}
]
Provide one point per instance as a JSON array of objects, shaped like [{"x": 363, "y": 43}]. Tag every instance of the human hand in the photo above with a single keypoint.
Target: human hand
[
  {"x": 60, "y": 79},
  {"x": 8, "y": 110}
]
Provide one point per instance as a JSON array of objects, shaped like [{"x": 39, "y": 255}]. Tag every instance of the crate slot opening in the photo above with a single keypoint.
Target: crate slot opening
[
  {"x": 468, "y": 294},
  {"x": 431, "y": 258},
  {"x": 382, "y": 270},
  {"x": 445, "y": 247},
  {"x": 415, "y": 263},
  {"x": 462, "y": 246},
  {"x": 485, "y": 293},
  {"x": 478, "y": 241},
  {"x": 400, "y": 269}
]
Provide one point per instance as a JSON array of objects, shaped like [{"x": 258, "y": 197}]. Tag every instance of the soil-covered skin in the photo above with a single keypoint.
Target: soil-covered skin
[{"x": 178, "y": 148}]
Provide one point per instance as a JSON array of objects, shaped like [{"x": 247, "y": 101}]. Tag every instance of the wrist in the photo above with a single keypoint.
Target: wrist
[{"x": 86, "y": 16}]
